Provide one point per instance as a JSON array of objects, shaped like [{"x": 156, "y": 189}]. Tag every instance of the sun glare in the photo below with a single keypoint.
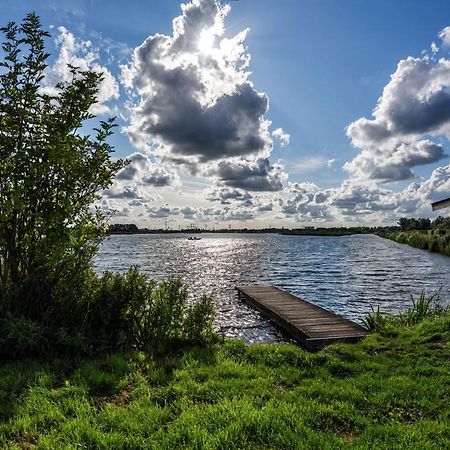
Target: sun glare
[{"x": 206, "y": 41}]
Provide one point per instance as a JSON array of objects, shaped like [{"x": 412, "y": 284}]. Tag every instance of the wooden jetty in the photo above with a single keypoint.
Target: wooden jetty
[{"x": 312, "y": 326}]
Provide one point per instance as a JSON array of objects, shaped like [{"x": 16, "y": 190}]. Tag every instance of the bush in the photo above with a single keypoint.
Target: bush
[
  {"x": 21, "y": 337},
  {"x": 131, "y": 310},
  {"x": 50, "y": 176},
  {"x": 116, "y": 311}
]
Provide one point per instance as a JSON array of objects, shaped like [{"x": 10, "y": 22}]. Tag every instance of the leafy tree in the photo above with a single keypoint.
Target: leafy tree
[
  {"x": 441, "y": 223},
  {"x": 50, "y": 176},
  {"x": 421, "y": 224}
]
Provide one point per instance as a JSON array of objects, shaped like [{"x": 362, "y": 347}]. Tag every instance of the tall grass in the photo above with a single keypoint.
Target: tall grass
[
  {"x": 375, "y": 320},
  {"x": 437, "y": 241},
  {"x": 422, "y": 308}
]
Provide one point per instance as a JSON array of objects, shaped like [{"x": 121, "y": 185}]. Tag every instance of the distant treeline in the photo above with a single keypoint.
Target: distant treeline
[
  {"x": 131, "y": 228},
  {"x": 307, "y": 231},
  {"x": 424, "y": 224},
  {"x": 340, "y": 231}
]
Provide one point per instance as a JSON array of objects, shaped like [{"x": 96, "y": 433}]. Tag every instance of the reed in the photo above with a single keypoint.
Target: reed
[{"x": 422, "y": 308}]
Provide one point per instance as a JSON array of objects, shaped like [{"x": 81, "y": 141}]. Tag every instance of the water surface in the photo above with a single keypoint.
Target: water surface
[{"x": 347, "y": 275}]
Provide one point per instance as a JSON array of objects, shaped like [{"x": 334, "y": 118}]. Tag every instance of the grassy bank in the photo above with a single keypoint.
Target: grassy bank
[
  {"x": 434, "y": 240},
  {"x": 389, "y": 391}
]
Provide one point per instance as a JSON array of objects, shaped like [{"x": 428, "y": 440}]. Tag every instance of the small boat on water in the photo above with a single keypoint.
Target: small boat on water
[{"x": 194, "y": 238}]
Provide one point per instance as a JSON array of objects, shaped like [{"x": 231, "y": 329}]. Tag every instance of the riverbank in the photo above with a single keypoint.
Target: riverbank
[
  {"x": 389, "y": 391},
  {"x": 434, "y": 240}
]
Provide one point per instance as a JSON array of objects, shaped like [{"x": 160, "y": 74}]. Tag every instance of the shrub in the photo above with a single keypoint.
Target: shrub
[
  {"x": 199, "y": 320},
  {"x": 118, "y": 311},
  {"x": 50, "y": 176},
  {"x": 418, "y": 240},
  {"x": 21, "y": 337},
  {"x": 130, "y": 310}
]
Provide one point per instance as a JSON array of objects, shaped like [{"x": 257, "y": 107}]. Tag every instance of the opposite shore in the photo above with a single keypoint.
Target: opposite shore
[{"x": 434, "y": 240}]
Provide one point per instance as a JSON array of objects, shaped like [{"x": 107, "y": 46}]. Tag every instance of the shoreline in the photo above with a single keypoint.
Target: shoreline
[
  {"x": 434, "y": 241},
  {"x": 341, "y": 231}
]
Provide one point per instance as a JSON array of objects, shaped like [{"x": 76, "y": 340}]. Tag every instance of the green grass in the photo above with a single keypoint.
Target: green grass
[
  {"x": 390, "y": 391},
  {"x": 433, "y": 241}
]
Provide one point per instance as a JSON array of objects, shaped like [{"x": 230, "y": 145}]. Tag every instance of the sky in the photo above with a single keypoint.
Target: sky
[{"x": 257, "y": 113}]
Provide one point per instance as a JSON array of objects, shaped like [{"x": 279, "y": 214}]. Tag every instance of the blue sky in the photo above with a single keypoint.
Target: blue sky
[{"x": 323, "y": 65}]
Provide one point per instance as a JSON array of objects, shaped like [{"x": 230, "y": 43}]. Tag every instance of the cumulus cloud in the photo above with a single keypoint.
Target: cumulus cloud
[
  {"x": 143, "y": 171},
  {"x": 265, "y": 208},
  {"x": 413, "y": 109},
  {"x": 195, "y": 104},
  {"x": 307, "y": 203},
  {"x": 161, "y": 212},
  {"x": 81, "y": 54},
  {"x": 188, "y": 212},
  {"x": 122, "y": 192},
  {"x": 139, "y": 181},
  {"x": 257, "y": 175},
  {"x": 239, "y": 215},
  {"x": 365, "y": 198},
  {"x": 417, "y": 197},
  {"x": 445, "y": 36},
  {"x": 282, "y": 136},
  {"x": 226, "y": 195},
  {"x": 228, "y": 213},
  {"x": 341, "y": 204},
  {"x": 398, "y": 163}
]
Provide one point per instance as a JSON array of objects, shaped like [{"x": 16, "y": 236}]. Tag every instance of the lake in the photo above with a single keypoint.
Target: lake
[{"x": 347, "y": 275}]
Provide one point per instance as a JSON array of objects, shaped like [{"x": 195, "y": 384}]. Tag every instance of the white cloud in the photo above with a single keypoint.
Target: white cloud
[
  {"x": 365, "y": 200},
  {"x": 311, "y": 163},
  {"x": 226, "y": 196},
  {"x": 162, "y": 211},
  {"x": 434, "y": 48},
  {"x": 252, "y": 175},
  {"x": 140, "y": 182},
  {"x": 283, "y": 137},
  {"x": 85, "y": 56},
  {"x": 142, "y": 170},
  {"x": 414, "y": 108},
  {"x": 445, "y": 36},
  {"x": 196, "y": 108}
]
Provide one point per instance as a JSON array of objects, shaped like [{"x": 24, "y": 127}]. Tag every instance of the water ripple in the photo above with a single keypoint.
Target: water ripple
[{"x": 347, "y": 275}]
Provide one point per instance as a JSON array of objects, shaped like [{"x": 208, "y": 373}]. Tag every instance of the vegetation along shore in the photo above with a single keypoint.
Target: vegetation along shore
[{"x": 432, "y": 235}]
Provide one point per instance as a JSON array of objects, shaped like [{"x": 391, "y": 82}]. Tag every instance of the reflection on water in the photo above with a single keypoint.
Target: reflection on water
[{"x": 346, "y": 275}]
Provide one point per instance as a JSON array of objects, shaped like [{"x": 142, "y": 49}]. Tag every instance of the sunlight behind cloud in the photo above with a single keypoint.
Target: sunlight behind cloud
[{"x": 206, "y": 41}]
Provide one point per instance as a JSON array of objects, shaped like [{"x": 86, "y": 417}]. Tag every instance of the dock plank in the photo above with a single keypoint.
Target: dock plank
[{"x": 312, "y": 326}]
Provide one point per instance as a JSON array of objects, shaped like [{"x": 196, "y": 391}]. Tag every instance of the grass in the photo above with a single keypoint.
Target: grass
[
  {"x": 422, "y": 308},
  {"x": 389, "y": 391},
  {"x": 434, "y": 241}
]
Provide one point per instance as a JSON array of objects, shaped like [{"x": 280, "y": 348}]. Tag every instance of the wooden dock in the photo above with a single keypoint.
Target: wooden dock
[{"x": 312, "y": 326}]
